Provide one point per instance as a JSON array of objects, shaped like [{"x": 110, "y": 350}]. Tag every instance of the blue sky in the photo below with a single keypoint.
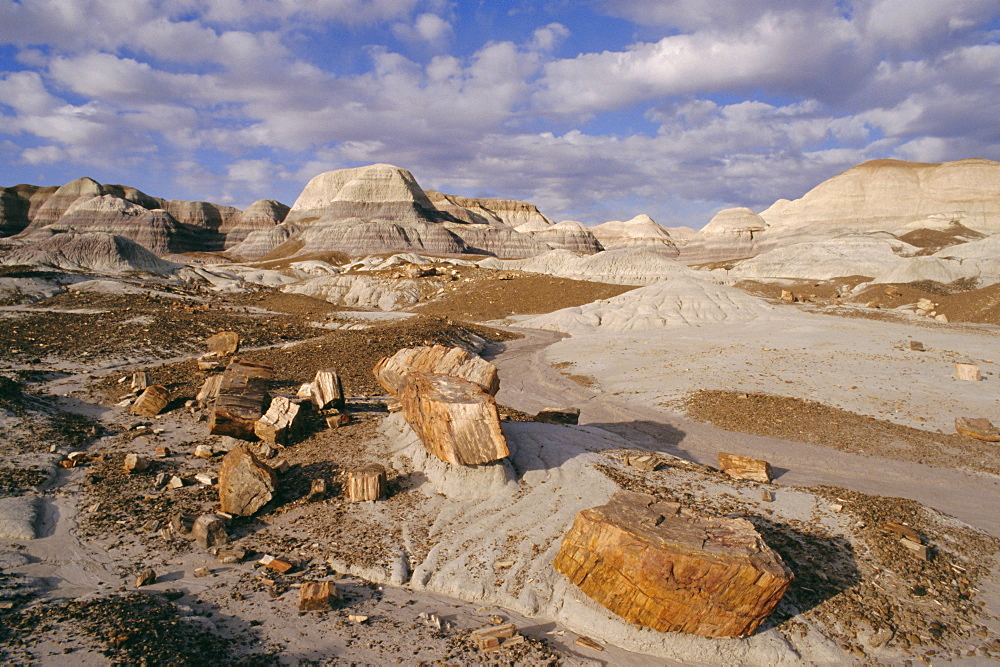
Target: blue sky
[{"x": 593, "y": 110}]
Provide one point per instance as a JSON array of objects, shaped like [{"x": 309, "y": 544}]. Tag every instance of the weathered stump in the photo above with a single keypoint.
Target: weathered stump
[
  {"x": 743, "y": 467},
  {"x": 245, "y": 484},
  {"x": 152, "y": 401},
  {"x": 367, "y": 483},
  {"x": 663, "y": 567},
  {"x": 457, "y": 421},
  {"x": 240, "y": 401},
  {"x": 279, "y": 423},
  {"x": 454, "y": 361},
  {"x": 224, "y": 344},
  {"x": 326, "y": 390}
]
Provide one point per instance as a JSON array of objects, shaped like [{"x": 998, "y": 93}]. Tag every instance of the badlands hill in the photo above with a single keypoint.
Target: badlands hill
[
  {"x": 885, "y": 221},
  {"x": 881, "y": 196}
]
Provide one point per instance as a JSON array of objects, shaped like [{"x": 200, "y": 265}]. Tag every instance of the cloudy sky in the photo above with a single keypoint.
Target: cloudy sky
[{"x": 592, "y": 109}]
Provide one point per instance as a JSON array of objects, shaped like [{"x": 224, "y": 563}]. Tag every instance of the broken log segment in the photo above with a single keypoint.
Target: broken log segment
[
  {"x": 152, "y": 401},
  {"x": 455, "y": 419},
  {"x": 744, "y": 467},
  {"x": 224, "y": 343},
  {"x": 278, "y": 425},
  {"x": 672, "y": 570},
  {"x": 968, "y": 372},
  {"x": 245, "y": 484},
  {"x": 240, "y": 400},
  {"x": 367, "y": 483},
  {"x": 455, "y": 361},
  {"x": 326, "y": 390},
  {"x": 316, "y": 595}
]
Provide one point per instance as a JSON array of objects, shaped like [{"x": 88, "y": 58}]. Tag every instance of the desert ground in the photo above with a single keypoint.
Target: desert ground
[{"x": 841, "y": 358}]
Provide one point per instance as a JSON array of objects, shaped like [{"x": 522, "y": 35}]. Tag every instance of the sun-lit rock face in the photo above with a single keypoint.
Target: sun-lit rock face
[
  {"x": 478, "y": 210},
  {"x": 18, "y": 204},
  {"x": 639, "y": 232},
  {"x": 156, "y": 230},
  {"x": 263, "y": 214},
  {"x": 379, "y": 191},
  {"x": 56, "y": 204},
  {"x": 568, "y": 235},
  {"x": 96, "y": 252},
  {"x": 883, "y": 195}
]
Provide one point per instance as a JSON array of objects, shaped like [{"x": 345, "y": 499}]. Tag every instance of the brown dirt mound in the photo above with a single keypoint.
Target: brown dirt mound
[
  {"x": 807, "y": 421},
  {"x": 488, "y": 295},
  {"x": 957, "y": 301},
  {"x": 932, "y": 240}
]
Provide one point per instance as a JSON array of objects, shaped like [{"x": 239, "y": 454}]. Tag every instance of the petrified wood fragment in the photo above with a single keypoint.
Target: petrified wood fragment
[
  {"x": 316, "y": 595},
  {"x": 455, "y": 361},
  {"x": 224, "y": 343},
  {"x": 240, "y": 401},
  {"x": 978, "y": 428},
  {"x": 744, "y": 467},
  {"x": 152, "y": 401},
  {"x": 367, "y": 483},
  {"x": 670, "y": 569},
  {"x": 245, "y": 484},
  {"x": 327, "y": 391},
  {"x": 457, "y": 421},
  {"x": 279, "y": 423}
]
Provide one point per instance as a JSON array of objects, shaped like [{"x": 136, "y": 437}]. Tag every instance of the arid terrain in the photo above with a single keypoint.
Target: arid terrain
[{"x": 847, "y": 386}]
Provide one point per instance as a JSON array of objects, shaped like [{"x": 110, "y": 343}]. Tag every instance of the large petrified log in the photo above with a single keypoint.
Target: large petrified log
[
  {"x": 457, "y": 421},
  {"x": 245, "y": 483},
  {"x": 454, "y": 361},
  {"x": 240, "y": 401},
  {"x": 670, "y": 569}
]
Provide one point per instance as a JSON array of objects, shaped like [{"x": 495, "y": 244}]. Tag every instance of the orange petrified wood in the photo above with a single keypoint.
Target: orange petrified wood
[
  {"x": 457, "y": 421},
  {"x": 670, "y": 569}
]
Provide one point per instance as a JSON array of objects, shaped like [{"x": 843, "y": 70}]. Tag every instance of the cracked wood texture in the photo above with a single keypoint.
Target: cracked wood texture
[
  {"x": 240, "y": 401},
  {"x": 744, "y": 467},
  {"x": 457, "y": 421},
  {"x": 454, "y": 361},
  {"x": 670, "y": 569}
]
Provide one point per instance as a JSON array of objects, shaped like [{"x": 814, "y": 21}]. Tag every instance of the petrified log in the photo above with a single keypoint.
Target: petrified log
[
  {"x": 980, "y": 429},
  {"x": 279, "y": 423},
  {"x": 224, "y": 343},
  {"x": 969, "y": 372},
  {"x": 245, "y": 484},
  {"x": 367, "y": 483},
  {"x": 457, "y": 421},
  {"x": 151, "y": 401},
  {"x": 670, "y": 569},
  {"x": 209, "y": 531},
  {"x": 315, "y": 595},
  {"x": 327, "y": 391},
  {"x": 209, "y": 390},
  {"x": 743, "y": 467},
  {"x": 140, "y": 380},
  {"x": 240, "y": 402},
  {"x": 559, "y": 416},
  {"x": 455, "y": 361}
]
